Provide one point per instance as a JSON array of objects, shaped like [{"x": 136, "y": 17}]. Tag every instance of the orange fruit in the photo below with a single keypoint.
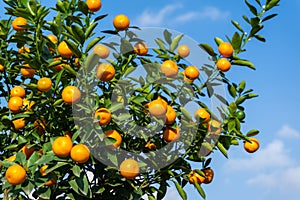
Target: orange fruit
[
  {"x": 77, "y": 62},
  {"x": 170, "y": 115},
  {"x": 252, "y": 146},
  {"x": 59, "y": 67},
  {"x": 195, "y": 177},
  {"x": 71, "y": 94},
  {"x": 94, "y": 5},
  {"x": 52, "y": 38},
  {"x": 225, "y": 49},
  {"x": 171, "y": 134},
  {"x": 140, "y": 48},
  {"x": 104, "y": 114},
  {"x": 101, "y": 50},
  {"x": 19, "y": 123},
  {"x": 15, "y": 174},
  {"x": 18, "y": 91},
  {"x": 114, "y": 135},
  {"x": 169, "y": 68},
  {"x": 80, "y": 153},
  {"x": 23, "y": 49},
  {"x": 15, "y": 104},
  {"x": 150, "y": 145},
  {"x": 39, "y": 126},
  {"x": 209, "y": 173},
  {"x": 129, "y": 168},
  {"x": 64, "y": 50},
  {"x": 62, "y": 146},
  {"x": 27, "y": 104},
  {"x": 223, "y": 64},
  {"x": 27, "y": 151},
  {"x": 183, "y": 51},
  {"x": 18, "y": 24},
  {"x": 2, "y": 68},
  {"x": 121, "y": 22},
  {"x": 11, "y": 158},
  {"x": 50, "y": 182},
  {"x": 191, "y": 72},
  {"x": 43, "y": 169},
  {"x": 27, "y": 71},
  {"x": 44, "y": 84},
  {"x": 42, "y": 172},
  {"x": 158, "y": 107},
  {"x": 105, "y": 72},
  {"x": 202, "y": 115},
  {"x": 214, "y": 127}
]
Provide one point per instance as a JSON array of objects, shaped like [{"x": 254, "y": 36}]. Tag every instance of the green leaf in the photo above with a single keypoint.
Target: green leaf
[
  {"x": 125, "y": 47},
  {"x": 89, "y": 30},
  {"x": 200, "y": 190},
  {"x": 240, "y": 100},
  {"x": 252, "y": 133},
  {"x": 180, "y": 190},
  {"x": 222, "y": 149},
  {"x": 258, "y": 2},
  {"x": 243, "y": 63},
  {"x": 260, "y": 38},
  {"x": 208, "y": 49},
  {"x": 269, "y": 17},
  {"x": 241, "y": 86},
  {"x": 218, "y": 41},
  {"x": 232, "y": 90},
  {"x": 246, "y": 19},
  {"x": 78, "y": 33},
  {"x": 252, "y": 8},
  {"x": 256, "y": 29},
  {"x": 236, "y": 41},
  {"x": 92, "y": 43},
  {"x": 232, "y": 108},
  {"x": 237, "y": 25},
  {"x": 271, "y": 4},
  {"x": 76, "y": 170},
  {"x": 73, "y": 48},
  {"x": 161, "y": 44},
  {"x": 175, "y": 42},
  {"x": 168, "y": 36},
  {"x": 70, "y": 69},
  {"x": 186, "y": 113}
]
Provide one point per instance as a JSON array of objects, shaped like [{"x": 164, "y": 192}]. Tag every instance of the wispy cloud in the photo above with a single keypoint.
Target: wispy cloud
[
  {"x": 274, "y": 155},
  {"x": 288, "y": 132},
  {"x": 168, "y": 14}
]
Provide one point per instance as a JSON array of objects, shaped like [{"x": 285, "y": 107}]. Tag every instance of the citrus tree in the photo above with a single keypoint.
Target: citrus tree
[{"x": 80, "y": 120}]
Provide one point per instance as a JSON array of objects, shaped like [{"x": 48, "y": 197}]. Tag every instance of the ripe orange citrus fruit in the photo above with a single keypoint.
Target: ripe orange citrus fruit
[
  {"x": 59, "y": 67},
  {"x": 183, "y": 51},
  {"x": 27, "y": 71},
  {"x": 195, "y": 177},
  {"x": 64, "y": 50},
  {"x": 43, "y": 169},
  {"x": 15, "y": 174},
  {"x": 18, "y": 91},
  {"x": 80, "y": 153},
  {"x": 27, "y": 151},
  {"x": 44, "y": 84},
  {"x": 114, "y": 135},
  {"x": 170, "y": 115},
  {"x": 101, "y": 50},
  {"x": 150, "y": 145},
  {"x": 71, "y": 94},
  {"x": 191, "y": 72},
  {"x": 209, "y": 173},
  {"x": 171, "y": 134},
  {"x": 62, "y": 146},
  {"x": 223, "y": 64},
  {"x": 140, "y": 48},
  {"x": 19, "y": 124},
  {"x": 202, "y": 115},
  {"x": 2, "y": 68},
  {"x": 104, "y": 114},
  {"x": 105, "y": 72},
  {"x": 252, "y": 146},
  {"x": 121, "y": 22},
  {"x": 158, "y": 107},
  {"x": 94, "y": 5},
  {"x": 18, "y": 24},
  {"x": 42, "y": 172},
  {"x": 214, "y": 126},
  {"x": 52, "y": 38},
  {"x": 129, "y": 168},
  {"x": 225, "y": 49},
  {"x": 169, "y": 68},
  {"x": 15, "y": 104}
]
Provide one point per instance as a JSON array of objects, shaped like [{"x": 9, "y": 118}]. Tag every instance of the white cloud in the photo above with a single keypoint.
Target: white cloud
[
  {"x": 167, "y": 15},
  {"x": 274, "y": 155},
  {"x": 288, "y": 132}
]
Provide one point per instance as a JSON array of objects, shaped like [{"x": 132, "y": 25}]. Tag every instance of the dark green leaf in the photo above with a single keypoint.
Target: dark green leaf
[
  {"x": 252, "y": 133},
  {"x": 269, "y": 17},
  {"x": 271, "y": 4},
  {"x": 252, "y": 8},
  {"x": 236, "y": 41},
  {"x": 240, "y": 100},
  {"x": 78, "y": 33},
  {"x": 237, "y": 25},
  {"x": 168, "y": 36},
  {"x": 241, "y": 86},
  {"x": 218, "y": 41},
  {"x": 93, "y": 43},
  {"x": 260, "y": 38},
  {"x": 125, "y": 47},
  {"x": 73, "y": 48},
  {"x": 200, "y": 190},
  {"x": 246, "y": 19},
  {"x": 232, "y": 90},
  {"x": 243, "y": 63},
  {"x": 181, "y": 192},
  {"x": 208, "y": 49},
  {"x": 175, "y": 42},
  {"x": 161, "y": 44}
]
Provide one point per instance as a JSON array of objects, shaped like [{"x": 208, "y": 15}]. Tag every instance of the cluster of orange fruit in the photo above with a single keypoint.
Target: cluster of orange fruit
[{"x": 205, "y": 177}]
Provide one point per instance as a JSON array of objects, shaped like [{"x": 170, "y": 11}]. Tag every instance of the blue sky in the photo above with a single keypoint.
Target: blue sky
[{"x": 274, "y": 171}]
